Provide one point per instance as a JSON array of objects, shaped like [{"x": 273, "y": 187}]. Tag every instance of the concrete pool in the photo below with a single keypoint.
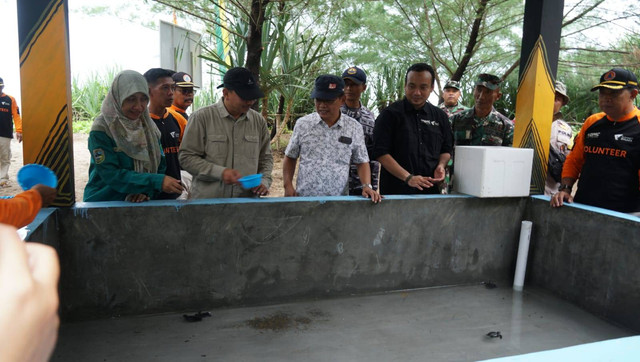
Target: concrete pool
[{"x": 336, "y": 265}]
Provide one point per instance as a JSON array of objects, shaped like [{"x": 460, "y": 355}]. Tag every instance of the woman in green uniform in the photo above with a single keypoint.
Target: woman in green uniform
[{"x": 127, "y": 163}]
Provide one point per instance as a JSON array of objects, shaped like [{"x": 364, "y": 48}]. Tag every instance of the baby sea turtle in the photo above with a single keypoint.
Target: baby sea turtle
[
  {"x": 489, "y": 285},
  {"x": 197, "y": 317},
  {"x": 495, "y": 334}
]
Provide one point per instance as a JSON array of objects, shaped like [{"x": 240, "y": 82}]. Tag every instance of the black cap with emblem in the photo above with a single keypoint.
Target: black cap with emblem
[
  {"x": 617, "y": 78},
  {"x": 328, "y": 87},
  {"x": 355, "y": 74},
  {"x": 183, "y": 80},
  {"x": 243, "y": 82}
]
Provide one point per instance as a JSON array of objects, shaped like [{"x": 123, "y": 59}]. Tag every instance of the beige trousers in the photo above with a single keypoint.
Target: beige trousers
[{"x": 5, "y": 158}]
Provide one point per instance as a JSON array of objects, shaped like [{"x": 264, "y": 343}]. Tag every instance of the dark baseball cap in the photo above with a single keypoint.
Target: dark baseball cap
[
  {"x": 356, "y": 74},
  {"x": 452, "y": 84},
  {"x": 328, "y": 87},
  {"x": 183, "y": 80},
  {"x": 617, "y": 78},
  {"x": 488, "y": 80},
  {"x": 242, "y": 81},
  {"x": 1, "y": 81}
]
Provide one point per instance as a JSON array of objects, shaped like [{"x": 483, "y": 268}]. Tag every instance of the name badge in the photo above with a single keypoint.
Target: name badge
[{"x": 345, "y": 140}]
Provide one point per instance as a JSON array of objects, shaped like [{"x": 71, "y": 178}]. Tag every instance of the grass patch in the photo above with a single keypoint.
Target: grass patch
[{"x": 82, "y": 126}]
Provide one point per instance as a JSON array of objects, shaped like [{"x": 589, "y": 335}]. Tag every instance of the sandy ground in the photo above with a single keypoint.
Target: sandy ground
[{"x": 81, "y": 159}]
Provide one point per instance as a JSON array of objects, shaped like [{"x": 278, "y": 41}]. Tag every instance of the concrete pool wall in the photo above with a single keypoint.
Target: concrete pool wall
[
  {"x": 119, "y": 259},
  {"x": 589, "y": 256}
]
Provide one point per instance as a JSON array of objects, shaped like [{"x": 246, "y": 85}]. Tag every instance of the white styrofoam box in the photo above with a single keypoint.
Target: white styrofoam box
[{"x": 492, "y": 171}]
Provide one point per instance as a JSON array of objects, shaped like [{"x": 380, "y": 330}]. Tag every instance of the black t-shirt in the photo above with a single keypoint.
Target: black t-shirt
[
  {"x": 170, "y": 139},
  {"x": 6, "y": 115},
  {"x": 609, "y": 176},
  {"x": 415, "y": 139}
]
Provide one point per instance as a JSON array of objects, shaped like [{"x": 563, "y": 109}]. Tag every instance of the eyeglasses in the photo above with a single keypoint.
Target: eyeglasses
[{"x": 187, "y": 90}]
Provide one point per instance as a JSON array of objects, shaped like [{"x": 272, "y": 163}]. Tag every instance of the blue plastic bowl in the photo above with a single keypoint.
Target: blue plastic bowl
[
  {"x": 251, "y": 181},
  {"x": 33, "y": 174}
]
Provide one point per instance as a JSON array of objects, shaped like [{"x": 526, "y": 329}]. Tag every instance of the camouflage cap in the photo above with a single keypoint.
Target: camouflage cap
[
  {"x": 452, "y": 84},
  {"x": 489, "y": 81},
  {"x": 561, "y": 89}
]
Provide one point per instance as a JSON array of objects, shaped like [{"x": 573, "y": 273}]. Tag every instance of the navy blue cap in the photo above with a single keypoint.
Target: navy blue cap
[
  {"x": 617, "y": 78},
  {"x": 183, "y": 80},
  {"x": 242, "y": 81},
  {"x": 328, "y": 87},
  {"x": 356, "y": 74}
]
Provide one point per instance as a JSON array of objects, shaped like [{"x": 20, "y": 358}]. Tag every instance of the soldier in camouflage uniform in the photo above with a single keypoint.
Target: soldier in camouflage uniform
[
  {"x": 450, "y": 106},
  {"x": 483, "y": 125},
  {"x": 451, "y": 96},
  {"x": 355, "y": 82}
]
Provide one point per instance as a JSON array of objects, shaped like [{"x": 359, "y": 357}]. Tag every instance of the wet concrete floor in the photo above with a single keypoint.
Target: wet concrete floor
[{"x": 435, "y": 324}]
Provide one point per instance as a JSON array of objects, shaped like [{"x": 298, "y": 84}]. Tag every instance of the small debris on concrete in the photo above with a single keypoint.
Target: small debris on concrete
[
  {"x": 495, "y": 334},
  {"x": 278, "y": 322},
  {"x": 316, "y": 313},
  {"x": 197, "y": 317},
  {"x": 489, "y": 285},
  {"x": 303, "y": 320}
]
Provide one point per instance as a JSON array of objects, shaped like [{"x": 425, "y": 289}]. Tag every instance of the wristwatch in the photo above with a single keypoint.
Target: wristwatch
[
  {"x": 564, "y": 187},
  {"x": 367, "y": 185}
]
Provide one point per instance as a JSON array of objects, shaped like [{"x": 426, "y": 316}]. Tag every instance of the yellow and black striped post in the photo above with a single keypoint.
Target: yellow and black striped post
[
  {"x": 536, "y": 87},
  {"x": 46, "y": 90}
]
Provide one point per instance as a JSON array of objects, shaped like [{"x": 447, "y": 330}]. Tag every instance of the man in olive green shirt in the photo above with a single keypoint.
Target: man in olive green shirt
[{"x": 228, "y": 140}]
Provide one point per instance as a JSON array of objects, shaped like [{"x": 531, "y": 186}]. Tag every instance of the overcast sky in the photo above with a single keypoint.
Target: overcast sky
[
  {"x": 111, "y": 39},
  {"x": 97, "y": 42}
]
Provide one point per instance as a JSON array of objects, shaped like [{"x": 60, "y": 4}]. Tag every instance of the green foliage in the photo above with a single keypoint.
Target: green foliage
[
  {"x": 83, "y": 126},
  {"x": 583, "y": 102},
  {"x": 384, "y": 37},
  {"x": 389, "y": 85},
  {"x": 203, "y": 98},
  {"x": 507, "y": 103},
  {"x": 87, "y": 96}
]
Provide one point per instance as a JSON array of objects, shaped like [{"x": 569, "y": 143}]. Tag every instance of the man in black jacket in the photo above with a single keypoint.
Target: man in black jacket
[{"x": 413, "y": 139}]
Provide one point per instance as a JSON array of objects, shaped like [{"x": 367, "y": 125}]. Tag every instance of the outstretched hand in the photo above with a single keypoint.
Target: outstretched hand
[
  {"x": 48, "y": 194},
  {"x": 438, "y": 174},
  {"x": 29, "y": 320},
  {"x": 420, "y": 182}
]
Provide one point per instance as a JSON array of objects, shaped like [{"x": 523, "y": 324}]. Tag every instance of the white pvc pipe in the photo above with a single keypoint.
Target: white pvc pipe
[{"x": 523, "y": 253}]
